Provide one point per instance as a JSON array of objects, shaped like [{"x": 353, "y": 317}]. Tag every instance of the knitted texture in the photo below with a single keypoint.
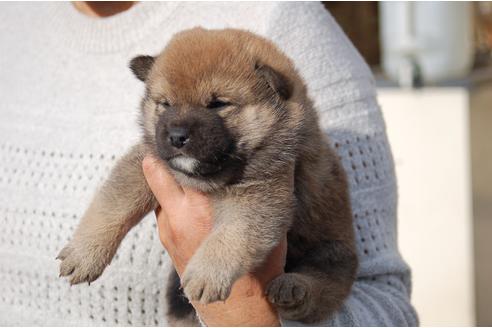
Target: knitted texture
[{"x": 69, "y": 108}]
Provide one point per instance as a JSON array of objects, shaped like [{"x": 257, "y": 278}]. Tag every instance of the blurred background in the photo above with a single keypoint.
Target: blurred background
[{"x": 433, "y": 67}]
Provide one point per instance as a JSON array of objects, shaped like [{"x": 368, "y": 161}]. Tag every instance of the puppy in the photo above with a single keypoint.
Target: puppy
[{"x": 229, "y": 115}]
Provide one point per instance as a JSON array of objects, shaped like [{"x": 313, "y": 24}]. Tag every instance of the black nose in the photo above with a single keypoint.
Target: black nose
[{"x": 178, "y": 136}]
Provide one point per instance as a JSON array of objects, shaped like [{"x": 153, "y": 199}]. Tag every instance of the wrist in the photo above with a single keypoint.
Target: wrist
[{"x": 247, "y": 305}]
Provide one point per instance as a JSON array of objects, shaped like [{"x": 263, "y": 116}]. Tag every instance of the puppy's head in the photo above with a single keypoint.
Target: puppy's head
[{"x": 214, "y": 97}]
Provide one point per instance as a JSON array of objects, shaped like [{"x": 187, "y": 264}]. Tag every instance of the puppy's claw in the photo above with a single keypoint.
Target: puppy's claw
[
  {"x": 66, "y": 269},
  {"x": 64, "y": 253}
]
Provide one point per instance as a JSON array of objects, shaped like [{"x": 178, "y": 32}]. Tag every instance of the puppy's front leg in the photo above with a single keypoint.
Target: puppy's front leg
[
  {"x": 122, "y": 201},
  {"x": 248, "y": 227}
]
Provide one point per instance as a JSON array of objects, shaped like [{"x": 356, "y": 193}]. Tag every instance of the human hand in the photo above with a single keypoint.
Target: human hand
[{"x": 185, "y": 219}]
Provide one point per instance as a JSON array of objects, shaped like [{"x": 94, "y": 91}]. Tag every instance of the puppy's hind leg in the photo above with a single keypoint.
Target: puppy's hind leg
[
  {"x": 122, "y": 201},
  {"x": 313, "y": 290}
]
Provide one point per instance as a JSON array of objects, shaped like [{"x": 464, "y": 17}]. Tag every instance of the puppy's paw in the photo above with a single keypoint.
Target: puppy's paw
[
  {"x": 206, "y": 283},
  {"x": 290, "y": 292},
  {"x": 287, "y": 290},
  {"x": 83, "y": 262}
]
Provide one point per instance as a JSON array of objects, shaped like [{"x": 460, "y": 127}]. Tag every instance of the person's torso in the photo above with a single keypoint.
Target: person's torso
[{"x": 69, "y": 109}]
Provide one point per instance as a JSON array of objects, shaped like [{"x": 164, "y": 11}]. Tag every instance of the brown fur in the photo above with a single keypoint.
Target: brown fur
[{"x": 261, "y": 157}]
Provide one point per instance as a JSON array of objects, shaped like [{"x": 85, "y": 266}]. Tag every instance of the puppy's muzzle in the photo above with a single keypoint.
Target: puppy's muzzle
[{"x": 195, "y": 142}]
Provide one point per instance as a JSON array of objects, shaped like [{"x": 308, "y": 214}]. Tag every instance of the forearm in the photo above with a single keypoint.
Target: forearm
[{"x": 246, "y": 306}]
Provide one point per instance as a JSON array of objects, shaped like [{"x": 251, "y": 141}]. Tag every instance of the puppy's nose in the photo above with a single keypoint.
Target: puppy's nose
[{"x": 178, "y": 136}]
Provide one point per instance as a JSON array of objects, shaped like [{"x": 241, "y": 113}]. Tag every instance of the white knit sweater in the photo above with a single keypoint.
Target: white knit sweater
[{"x": 68, "y": 110}]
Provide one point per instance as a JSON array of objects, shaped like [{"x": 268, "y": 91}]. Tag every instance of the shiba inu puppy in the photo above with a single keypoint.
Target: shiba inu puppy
[{"x": 228, "y": 114}]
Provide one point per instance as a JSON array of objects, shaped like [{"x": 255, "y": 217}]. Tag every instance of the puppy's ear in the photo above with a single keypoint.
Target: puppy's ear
[
  {"x": 276, "y": 80},
  {"x": 141, "y": 66}
]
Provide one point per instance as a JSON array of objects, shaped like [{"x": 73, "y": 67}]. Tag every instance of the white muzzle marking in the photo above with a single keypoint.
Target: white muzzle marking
[{"x": 186, "y": 164}]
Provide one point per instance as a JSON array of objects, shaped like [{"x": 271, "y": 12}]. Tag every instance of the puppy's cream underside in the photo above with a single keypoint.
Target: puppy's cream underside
[{"x": 229, "y": 115}]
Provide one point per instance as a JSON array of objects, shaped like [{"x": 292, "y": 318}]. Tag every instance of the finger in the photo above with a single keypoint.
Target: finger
[
  {"x": 280, "y": 251},
  {"x": 274, "y": 264},
  {"x": 160, "y": 216},
  {"x": 157, "y": 211},
  {"x": 162, "y": 221},
  {"x": 195, "y": 196},
  {"x": 161, "y": 182}
]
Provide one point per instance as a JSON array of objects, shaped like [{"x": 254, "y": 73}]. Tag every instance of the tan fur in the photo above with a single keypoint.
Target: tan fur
[
  {"x": 118, "y": 206},
  {"x": 286, "y": 178}
]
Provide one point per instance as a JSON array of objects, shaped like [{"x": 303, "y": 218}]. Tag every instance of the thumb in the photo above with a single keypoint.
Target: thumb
[{"x": 161, "y": 182}]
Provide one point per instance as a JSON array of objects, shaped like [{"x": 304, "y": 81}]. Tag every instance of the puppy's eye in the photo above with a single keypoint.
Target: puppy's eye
[
  {"x": 216, "y": 104},
  {"x": 165, "y": 103}
]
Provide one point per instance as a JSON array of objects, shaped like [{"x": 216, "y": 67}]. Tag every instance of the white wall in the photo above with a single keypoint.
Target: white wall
[{"x": 428, "y": 132}]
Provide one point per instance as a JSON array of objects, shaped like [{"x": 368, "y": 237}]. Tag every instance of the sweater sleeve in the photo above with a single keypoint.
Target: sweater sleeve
[{"x": 343, "y": 90}]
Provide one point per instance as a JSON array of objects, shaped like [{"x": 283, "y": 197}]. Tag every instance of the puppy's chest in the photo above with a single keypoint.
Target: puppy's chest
[{"x": 227, "y": 209}]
